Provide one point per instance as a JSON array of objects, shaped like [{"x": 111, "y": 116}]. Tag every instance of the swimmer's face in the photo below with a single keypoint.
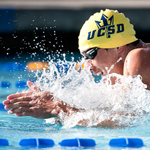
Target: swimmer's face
[{"x": 100, "y": 59}]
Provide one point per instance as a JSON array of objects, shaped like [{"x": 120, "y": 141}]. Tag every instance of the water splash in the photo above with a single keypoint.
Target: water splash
[{"x": 127, "y": 103}]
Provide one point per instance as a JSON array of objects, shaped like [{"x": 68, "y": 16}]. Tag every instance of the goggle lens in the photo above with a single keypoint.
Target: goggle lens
[{"x": 91, "y": 53}]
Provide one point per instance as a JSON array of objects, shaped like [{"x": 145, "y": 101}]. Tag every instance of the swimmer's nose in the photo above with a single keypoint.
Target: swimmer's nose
[
  {"x": 88, "y": 63},
  {"x": 91, "y": 67}
]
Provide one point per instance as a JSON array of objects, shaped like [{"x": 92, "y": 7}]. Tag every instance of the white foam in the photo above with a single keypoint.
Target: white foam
[{"x": 126, "y": 103}]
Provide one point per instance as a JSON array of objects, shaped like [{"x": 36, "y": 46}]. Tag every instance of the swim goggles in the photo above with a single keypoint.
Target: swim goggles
[{"x": 91, "y": 53}]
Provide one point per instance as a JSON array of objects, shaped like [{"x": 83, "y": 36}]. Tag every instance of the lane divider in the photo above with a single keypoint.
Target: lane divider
[
  {"x": 13, "y": 66},
  {"x": 35, "y": 65},
  {"x": 18, "y": 84},
  {"x": 77, "y": 142}
]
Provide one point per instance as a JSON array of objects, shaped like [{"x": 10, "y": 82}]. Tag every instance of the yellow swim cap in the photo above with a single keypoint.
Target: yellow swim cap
[{"x": 107, "y": 29}]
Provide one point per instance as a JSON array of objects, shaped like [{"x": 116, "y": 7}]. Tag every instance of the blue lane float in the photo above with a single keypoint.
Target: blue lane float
[
  {"x": 2, "y": 107},
  {"x": 126, "y": 142},
  {"x": 5, "y": 84},
  {"x": 78, "y": 142},
  {"x": 45, "y": 143},
  {"x": 4, "y": 142},
  {"x": 21, "y": 84},
  {"x": 33, "y": 142}
]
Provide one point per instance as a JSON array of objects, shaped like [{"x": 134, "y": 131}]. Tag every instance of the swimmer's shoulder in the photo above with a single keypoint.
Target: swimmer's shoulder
[
  {"x": 136, "y": 60},
  {"x": 142, "y": 48},
  {"x": 139, "y": 53}
]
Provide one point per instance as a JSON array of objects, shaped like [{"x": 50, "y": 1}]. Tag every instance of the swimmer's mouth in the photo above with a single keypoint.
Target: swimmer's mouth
[{"x": 99, "y": 73}]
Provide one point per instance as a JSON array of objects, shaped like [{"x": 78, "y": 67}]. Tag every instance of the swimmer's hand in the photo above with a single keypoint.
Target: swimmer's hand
[{"x": 34, "y": 103}]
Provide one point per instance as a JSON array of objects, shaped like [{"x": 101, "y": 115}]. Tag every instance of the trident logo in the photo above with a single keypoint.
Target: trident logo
[{"x": 106, "y": 22}]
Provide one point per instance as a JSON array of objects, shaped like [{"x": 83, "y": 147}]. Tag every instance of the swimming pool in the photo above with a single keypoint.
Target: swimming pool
[{"x": 15, "y": 128}]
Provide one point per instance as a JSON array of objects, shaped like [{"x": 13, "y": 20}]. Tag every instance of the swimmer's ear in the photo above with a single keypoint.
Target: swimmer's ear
[{"x": 120, "y": 49}]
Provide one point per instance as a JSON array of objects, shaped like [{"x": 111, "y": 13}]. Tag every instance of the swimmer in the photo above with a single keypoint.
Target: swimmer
[{"x": 104, "y": 38}]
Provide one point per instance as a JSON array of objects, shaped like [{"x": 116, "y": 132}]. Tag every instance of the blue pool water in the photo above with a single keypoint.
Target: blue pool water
[{"x": 15, "y": 128}]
